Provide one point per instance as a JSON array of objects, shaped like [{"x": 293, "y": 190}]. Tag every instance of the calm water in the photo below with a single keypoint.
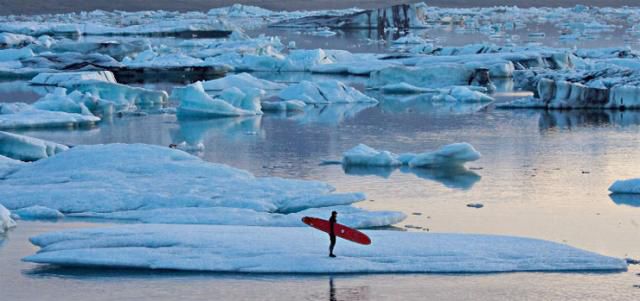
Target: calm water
[{"x": 543, "y": 175}]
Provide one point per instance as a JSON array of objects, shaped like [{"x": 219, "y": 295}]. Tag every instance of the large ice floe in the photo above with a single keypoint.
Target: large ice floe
[
  {"x": 158, "y": 184},
  {"x": 26, "y": 148},
  {"x": 261, "y": 250},
  {"x": 6, "y": 222}
]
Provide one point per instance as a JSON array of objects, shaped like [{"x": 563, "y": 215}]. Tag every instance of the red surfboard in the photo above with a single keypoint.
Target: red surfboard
[{"x": 340, "y": 230}]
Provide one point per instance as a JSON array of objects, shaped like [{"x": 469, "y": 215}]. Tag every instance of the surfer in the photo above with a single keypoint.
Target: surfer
[{"x": 332, "y": 235}]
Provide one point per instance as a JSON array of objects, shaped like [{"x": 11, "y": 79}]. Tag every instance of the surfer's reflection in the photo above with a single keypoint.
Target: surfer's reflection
[
  {"x": 355, "y": 293},
  {"x": 332, "y": 290}
]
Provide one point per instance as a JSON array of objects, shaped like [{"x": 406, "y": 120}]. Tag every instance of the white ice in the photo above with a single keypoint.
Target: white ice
[
  {"x": 194, "y": 101},
  {"x": 21, "y": 115},
  {"x": 451, "y": 155},
  {"x": 66, "y": 79},
  {"x": 242, "y": 81},
  {"x": 144, "y": 177},
  {"x": 304, "y": 250},
  {"x": 326, "y": 91},
  {"x": 26, "y": 148}
]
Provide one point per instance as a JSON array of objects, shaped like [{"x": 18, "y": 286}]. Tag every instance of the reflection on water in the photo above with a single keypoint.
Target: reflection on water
[
  {"x": 632, "y": 200},
  {"x": 193, "y": 131},
  {"x": 451, "y": 177},
  {"x": 567, "y": 120},
  {"x": 422, "y": 103},
  {"x": 331, "y": 114}
]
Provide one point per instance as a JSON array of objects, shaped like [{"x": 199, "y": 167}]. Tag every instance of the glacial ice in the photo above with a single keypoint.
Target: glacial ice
[
  {"x": 226, "y": 249},
  {"x": 452, "y": 155},
  {"x": 242, "y": 81},
  {"x": 21, "y": 115},
  {"x": 145, "y": 178},
  {"x": 630, "y": 186},
  {"x": 6, "y": 222},
  {"x": 324, "y": 92},
  {"x": 283, "y": 106},
  {"x": 194, "y": 101},
  {"x": 67, "y": 79},
  {"x": 26, "y": 148}
]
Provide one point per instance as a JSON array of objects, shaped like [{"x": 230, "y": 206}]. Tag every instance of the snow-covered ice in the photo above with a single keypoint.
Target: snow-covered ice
[
  {"x": 26, "y": 148},
  {"x": 303, "y": 250},
  {"x": 145, "y": 178}
]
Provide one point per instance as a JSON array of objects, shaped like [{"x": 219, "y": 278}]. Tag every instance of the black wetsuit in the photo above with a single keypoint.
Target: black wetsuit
[{"x": 332, "y": 234}]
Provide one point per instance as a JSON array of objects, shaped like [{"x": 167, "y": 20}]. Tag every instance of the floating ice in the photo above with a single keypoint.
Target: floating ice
[
  {"x": 351, "y": 216},
  {"x": 452, "y": 155},
  {"x": 327, "y": 91},
  {"x": 263, "y": 250},
  {"x": 283, "y": 106},
  {"x": 631, "y": 186},
  {"x": 21, "y": 115},
  {"x": 11, "y": 40},
  {"x": 26, "y": 148},
  {"x": 67, "y": 79},
  {"x": 145, "y": 177},
  {"x": 242, "y": 81},
  {"x": 38, "y": 213},
  {"x": 6, "y": 222},
  {"x": 15, "y": 54},
  {"x": 194, "y": 101}
]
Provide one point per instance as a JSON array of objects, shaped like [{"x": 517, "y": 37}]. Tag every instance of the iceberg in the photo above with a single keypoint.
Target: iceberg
[
  {"x": 452, "y": 155},
  {"x": 242, "y": 81},
  {"x": 324, "y": 92},
  {"x": 67, "y": 79},
  {"x": 144, "y": 178},
  {"x": 194, "y": 101},
  {"x": 283, "y": 106},
  {"x": 261, "y": 250},
  {"x": 6, "y": 222},
  {"x": 12, "y": 40},
  {"x": 630, "y": 186},
  {"x": 74, "y": 102},
  {"x": 26, "y": 148}
]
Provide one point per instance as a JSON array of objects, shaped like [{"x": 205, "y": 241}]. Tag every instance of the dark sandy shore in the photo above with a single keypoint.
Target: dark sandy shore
[{"x": 8, "y": 7}]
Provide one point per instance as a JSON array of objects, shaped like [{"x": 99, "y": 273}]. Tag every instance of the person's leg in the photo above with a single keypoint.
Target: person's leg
[{"x": 331, "y": 246}]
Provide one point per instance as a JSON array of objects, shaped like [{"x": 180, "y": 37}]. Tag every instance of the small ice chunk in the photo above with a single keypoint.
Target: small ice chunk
[
  {"x": 366, "y": 156},
  {"x": 26, "y": 148},
  {"x": 194, "y": 101},
  {"x": 455, "y": 154},
  {"x": 38, "y": 213}
]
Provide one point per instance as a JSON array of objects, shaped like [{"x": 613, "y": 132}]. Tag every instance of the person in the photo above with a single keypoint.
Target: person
[{"x": 332, "y": 235}]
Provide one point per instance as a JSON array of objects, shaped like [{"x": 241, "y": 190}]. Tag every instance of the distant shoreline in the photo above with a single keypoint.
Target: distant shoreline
[{"x": 34, "y": 7}]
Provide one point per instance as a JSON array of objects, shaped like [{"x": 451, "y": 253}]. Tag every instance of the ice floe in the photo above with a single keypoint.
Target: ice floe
[
  {"x": 226, "y": 249},
  {"x": 145, "y": 178},
  {"x": 194, "y": 101},
  {"x": 21, "y": 115},
  {"x": 242, "y": 81},
  {"x": 324, "y": 92},
  {"x": 452, "y": 155},
  {"x": 26, "y": 148}
]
